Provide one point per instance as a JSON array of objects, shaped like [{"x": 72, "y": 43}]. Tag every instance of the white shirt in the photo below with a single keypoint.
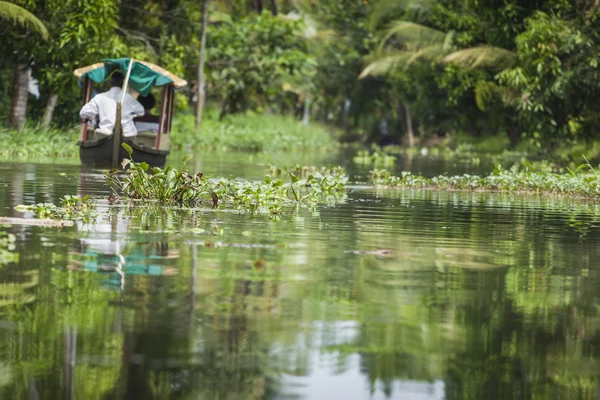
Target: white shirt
[
  {"x": 104, "y": 106},
  {"x": 146, "y": 126}
]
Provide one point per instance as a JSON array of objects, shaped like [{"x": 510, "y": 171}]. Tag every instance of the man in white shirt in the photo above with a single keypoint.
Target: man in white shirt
[{"x": 104, "y": 107}]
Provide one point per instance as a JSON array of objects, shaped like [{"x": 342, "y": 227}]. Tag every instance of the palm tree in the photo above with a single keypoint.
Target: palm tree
[
  {"x": 24, "y": 18},
  {"x": 415, "y": 42},
  {"x": 406, "y": 42}
]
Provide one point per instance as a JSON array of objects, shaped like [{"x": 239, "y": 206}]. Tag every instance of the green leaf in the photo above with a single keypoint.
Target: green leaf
[{"x": 127, "y": 148}]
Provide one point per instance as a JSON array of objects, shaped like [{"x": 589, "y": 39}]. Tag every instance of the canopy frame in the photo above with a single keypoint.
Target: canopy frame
[{"x": 177, "y": 81}]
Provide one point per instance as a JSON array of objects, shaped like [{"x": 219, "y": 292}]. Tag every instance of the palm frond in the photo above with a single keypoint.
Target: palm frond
[
  {"x": 483, "y": 56},
  {"x": 21, "y": 16},
  {"x": 414, "y": 35},
  {"x": 414, "y": 10},
  {"x": 484, "y": 92},
  {"x": 383, "y": 64}
]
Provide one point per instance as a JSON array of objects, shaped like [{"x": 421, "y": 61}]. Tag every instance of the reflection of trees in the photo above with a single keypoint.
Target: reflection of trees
[
  {"x": 507, "y": 316},
  {"x": 496, "y": 295}
]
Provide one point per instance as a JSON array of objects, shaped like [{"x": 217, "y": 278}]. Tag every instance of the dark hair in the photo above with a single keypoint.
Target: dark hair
[
  {"x": 116, "y": 79},
  {"x": 147, "y": 101}
]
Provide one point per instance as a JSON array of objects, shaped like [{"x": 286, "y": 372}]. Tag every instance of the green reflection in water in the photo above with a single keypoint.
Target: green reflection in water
[{"x": 490, "y": 296}]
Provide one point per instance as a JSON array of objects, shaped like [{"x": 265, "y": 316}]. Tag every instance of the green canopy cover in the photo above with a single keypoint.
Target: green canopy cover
[{"x": 142, "y": 78}]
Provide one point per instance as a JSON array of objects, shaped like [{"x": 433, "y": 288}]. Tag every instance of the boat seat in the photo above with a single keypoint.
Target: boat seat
[{"x": 145, "y": 138}]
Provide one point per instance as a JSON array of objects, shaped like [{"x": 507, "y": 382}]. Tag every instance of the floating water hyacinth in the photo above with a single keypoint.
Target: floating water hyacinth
[
  {"x": 586, "y": 184},
  {"x": 170, "y": 186}
]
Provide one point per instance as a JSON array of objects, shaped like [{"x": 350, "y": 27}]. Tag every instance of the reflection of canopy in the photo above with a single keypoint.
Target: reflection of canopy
[{"x": 144, "y": 75}]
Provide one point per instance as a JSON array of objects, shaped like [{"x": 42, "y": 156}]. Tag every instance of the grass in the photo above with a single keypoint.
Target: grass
[
  {"x": 35, "y": 142},
  {"x": 525, "y": 179},
  {"x": 252, "y": 132}
]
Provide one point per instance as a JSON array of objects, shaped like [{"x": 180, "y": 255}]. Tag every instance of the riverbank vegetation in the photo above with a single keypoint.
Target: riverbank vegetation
[
  {"x": 403, "y": 71},
  {"x": 253, "y": 132},
  {"x": 36, "y": 142}
]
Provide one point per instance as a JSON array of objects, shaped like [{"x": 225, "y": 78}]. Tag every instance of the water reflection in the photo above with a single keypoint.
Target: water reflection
[{"x": 401, "y": 294}]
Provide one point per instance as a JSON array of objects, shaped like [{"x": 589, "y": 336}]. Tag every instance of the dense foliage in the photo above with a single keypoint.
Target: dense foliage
[{"x": 381, "y": 68}]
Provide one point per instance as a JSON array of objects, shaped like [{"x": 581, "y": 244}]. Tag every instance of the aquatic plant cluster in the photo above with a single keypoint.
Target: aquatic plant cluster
[
  {"x": 377, "y": 158},
  {"x": 274, "y": 194},
  {"x": 169, "y": 186},
  {"x": 71, "y": 208},
  {"x": 304, "y": 171},
  {"x": 515, "y": 179}
]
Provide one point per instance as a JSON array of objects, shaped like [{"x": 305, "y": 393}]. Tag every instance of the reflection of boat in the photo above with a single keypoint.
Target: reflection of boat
[
  {"x": 141, "y": 76},
  {"x": 102, "y": 251},
  {"x": 117, "y": 261}
]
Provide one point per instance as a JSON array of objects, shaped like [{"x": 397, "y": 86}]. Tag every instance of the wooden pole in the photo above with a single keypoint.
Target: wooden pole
[
  {"x": 117, "y": 139},
  {"x": 201, "y": 61},
  {"x": 84, "y": 125},
  {"x": 171, "y": 108},
  {"x": 162, "y": 117},
  {"x": 118, "y": 124}
]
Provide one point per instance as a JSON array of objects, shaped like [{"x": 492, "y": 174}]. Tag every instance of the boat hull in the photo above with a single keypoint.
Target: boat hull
[{"x": 99, "y": 153}]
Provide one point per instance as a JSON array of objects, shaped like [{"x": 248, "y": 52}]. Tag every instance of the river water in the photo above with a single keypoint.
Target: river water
[{"x": 399, "y": 294}]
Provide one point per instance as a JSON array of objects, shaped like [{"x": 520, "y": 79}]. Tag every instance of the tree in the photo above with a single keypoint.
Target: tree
[
  {"x": 23, "y": 18},
  {"x": 250, "y": 60},
  {"x": 201, "y": 94},
  {"x": 27, "y": 20},
  {"x": 405, "y": 42}
]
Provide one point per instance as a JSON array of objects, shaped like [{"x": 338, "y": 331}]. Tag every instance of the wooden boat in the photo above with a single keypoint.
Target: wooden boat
[{"x": 141, "y": 76}]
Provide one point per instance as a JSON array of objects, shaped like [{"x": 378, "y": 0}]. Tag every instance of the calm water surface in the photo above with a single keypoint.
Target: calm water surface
[{"x": 394, "y": 294}]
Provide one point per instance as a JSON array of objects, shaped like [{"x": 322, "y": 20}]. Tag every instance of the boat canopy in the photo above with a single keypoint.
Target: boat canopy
[{"x": 144, "y": 75}]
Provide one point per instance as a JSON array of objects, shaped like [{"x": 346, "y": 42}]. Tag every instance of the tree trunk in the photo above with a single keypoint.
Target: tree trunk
[
  {"x": 409, "y": 128},
  {"x": 514, "y": 135},
  {"x": 306, "y": 112},
  {"x": 19, "y": 96},
  {"x": 49, "y": 112},
  {"x": 201, "y": 62},
  {"x": 274, "y": 7},
  {"x": 258, "y": 6},
  {"x": 346, "y": 115}
]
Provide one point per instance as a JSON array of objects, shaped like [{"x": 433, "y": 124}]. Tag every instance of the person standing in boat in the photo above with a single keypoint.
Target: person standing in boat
[{"x": 104, "y": 108}]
